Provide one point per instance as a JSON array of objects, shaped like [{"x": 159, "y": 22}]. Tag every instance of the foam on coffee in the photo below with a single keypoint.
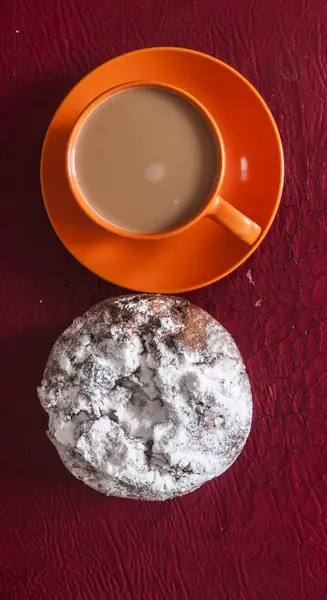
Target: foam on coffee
[{"x": 146, "y": 159}]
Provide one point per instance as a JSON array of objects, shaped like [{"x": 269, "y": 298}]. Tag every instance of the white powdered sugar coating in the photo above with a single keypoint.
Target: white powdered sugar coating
[{"x": 147, "y": 397}]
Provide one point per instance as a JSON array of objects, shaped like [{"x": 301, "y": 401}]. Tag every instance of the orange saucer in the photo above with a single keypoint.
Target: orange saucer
[{"x": 253, "y": 182}]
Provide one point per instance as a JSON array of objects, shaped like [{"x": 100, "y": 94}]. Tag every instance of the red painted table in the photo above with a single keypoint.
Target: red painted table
[{"x": 258, "y": 532}]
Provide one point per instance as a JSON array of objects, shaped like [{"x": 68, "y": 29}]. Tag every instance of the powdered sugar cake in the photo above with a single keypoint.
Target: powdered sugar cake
[{"x": 147, "y": 397}]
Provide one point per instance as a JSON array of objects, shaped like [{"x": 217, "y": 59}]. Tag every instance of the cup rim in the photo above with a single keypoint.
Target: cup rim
[{"x": 204, "y": 211}]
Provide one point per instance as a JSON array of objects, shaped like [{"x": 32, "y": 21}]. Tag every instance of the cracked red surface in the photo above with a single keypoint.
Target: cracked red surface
[{"x": 259, "y": 531}]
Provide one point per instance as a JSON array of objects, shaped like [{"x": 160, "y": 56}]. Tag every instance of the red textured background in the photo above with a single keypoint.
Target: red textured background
[{"x": 259, "y": 532}]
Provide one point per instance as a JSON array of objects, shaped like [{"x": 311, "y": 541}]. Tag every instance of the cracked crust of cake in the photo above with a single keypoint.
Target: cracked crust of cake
[{"x": 147, "y": 397}]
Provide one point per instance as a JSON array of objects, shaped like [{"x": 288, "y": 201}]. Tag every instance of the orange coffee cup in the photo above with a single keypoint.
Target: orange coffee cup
[{"x": 215, "y": 208}]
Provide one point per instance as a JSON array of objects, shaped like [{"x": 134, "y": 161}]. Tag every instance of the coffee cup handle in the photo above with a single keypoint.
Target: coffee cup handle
[{"x": 232, "y": 219}]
